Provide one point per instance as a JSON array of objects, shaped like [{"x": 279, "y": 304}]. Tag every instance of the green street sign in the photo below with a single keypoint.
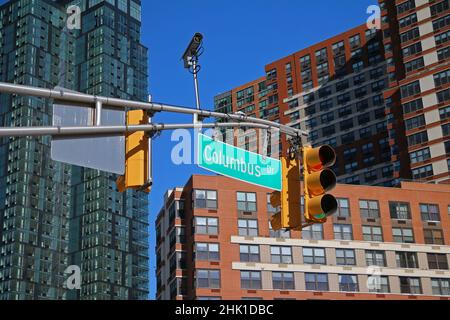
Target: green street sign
[{"x": 239, "y": 164}]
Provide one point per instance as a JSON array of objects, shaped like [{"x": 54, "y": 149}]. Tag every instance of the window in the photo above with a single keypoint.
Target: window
[
  {"x": 372, "y": 233},
  {"x": 444, "y": 54},
  {"x": 343, "y": 98},
  {"x": 408, "y": 20},
  {"x": 281, "y": 255},
  {"x": 418, "y": 138},
  {"x": 288, "y": 68},
  {"x": 441, "y": 23},
  {"x": 307, "y": 85},
  {"x": 346, "y": 124},
  {"x": 328, "y": 131},
  {"x": 355, "y": 41},
  {"x": 439, "y": 7},
  {"x": 430, "y": 212},
  {"x": 321, "y": 55},
  {"x": 437, "y": 261},
  {"x": 433, "y": 236},
  {"x": 414, "y": 64},
  {"x": 246, "y": 201},
  {"x": 380, "y": 285},
  {"x": 283, "y": 281},
  {"x": 400, "y": 210},
  {"x": 406, "y": 6},
  {"x": 420, "y": 155},
  {"x": 410, "y": 89},
  {"x": 314, "y": 232},
  {"x": 284, "y": 234},
  {"x": 208, "y": 279},
  {"x": 338, "y": 47},
  {"x": 412, "y": 49},
  {"x": 403, "y": 235},
  {"x": 409, "y": 35},
  {"x": 407, "y": 260},
  {"x": 443, "y": 96},
  {"x": 324, "y": 92},
  {"x": 348, "y": 283},
  {"x": 272, "y": 74},
  {"x": 251, "y": 280},
  {"x": 249, "y": 253},
  {"x": 415, "y": 122},
  {"x": 248, "y": 228},
  {"x": 305, "y": 62},
  {"x": 343, "y": 232},
  {"x": 410, "y": 285},
  {"x": 205, "y": 199},
  {"x": 444, "y": 113},
  {"x": 314, "y": 256},
  {"x": 441, "y": 287},
  {"x": 442, "y": 78},
  {"x": 369, "y": 209},
  {"x": 345, "y": 257},
  {"x": 309, "y": 111},
  {"x": 204, "y": 225},
  {"x": 326, "y": 105},
  {"x": 375, "y": 258},
  {"x": 446, "y": 129},
  {"x": 348, "y": 138},
  {"x": 377, "y": 100},
  {"x": 358, "y": 66},
  {"x": 350, "y": 167},
  {"x": 316, "y": 281},
  {"x": 413, "y": 106},
  {"x": 442, "y": 38},
  {"x": 423, "y": 172},
  {"x": 345, "y": 111},
  {"x": 207, "y": 251},
  {"x": 327, "y": 117},
  {"x": 343, "y": 207},
  {"x": 342, "y": 85}
]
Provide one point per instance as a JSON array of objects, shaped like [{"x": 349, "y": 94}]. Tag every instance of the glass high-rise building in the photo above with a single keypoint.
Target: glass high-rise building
[{"x": 54, "y": 215}]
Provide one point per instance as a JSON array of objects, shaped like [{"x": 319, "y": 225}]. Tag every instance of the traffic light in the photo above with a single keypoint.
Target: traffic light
[
  {"x": 289, "y": 198},
  {"x": 318, "y": 180},
  {"x": 136, "y": 155}
]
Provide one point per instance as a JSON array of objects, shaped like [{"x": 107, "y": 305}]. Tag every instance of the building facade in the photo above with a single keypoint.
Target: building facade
[
  {"x": 214, "y": 241},
  {"x": 52, "y": 215},
  {"x": 379, "y": 97},
  {"x": 416, "y": 37}
]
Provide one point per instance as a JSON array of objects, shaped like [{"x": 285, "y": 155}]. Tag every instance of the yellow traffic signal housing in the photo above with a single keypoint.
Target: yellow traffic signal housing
[
  {"x": 136, "y": 155},
  {"x": 289, "y": 198},
  {"x": 318, "y": 180}
]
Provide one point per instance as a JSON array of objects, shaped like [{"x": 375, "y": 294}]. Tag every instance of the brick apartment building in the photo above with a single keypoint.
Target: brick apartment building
[
  {"x": 381, "y": 98},
  {"x": 214, "y": 242}
]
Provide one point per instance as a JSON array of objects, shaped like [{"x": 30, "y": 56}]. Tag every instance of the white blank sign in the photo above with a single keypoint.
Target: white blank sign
[{"x": 105, "y": 153}]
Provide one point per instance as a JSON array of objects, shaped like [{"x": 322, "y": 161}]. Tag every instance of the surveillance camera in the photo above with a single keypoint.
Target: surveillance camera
[{"x": 192, "y": 49}]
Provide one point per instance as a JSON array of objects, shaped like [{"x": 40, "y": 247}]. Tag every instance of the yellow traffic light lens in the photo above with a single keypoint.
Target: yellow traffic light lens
[
  {"x": 327, "y": 156},
  {"x": 323, "y": 205},
  {"x": 320, "y": 182},
  {"x": 319, "y": 158},
  {"x": 329, "y": 204}
]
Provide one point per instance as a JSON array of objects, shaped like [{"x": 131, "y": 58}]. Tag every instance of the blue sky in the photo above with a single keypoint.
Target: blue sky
[{"x": 241, "y": 37}]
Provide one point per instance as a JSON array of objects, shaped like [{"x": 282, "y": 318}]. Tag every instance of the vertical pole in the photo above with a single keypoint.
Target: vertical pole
[
  {"x": 98, "y": 113},
  {"x": 197, "y": 102},
  {"x": 150, "y": 150}
]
